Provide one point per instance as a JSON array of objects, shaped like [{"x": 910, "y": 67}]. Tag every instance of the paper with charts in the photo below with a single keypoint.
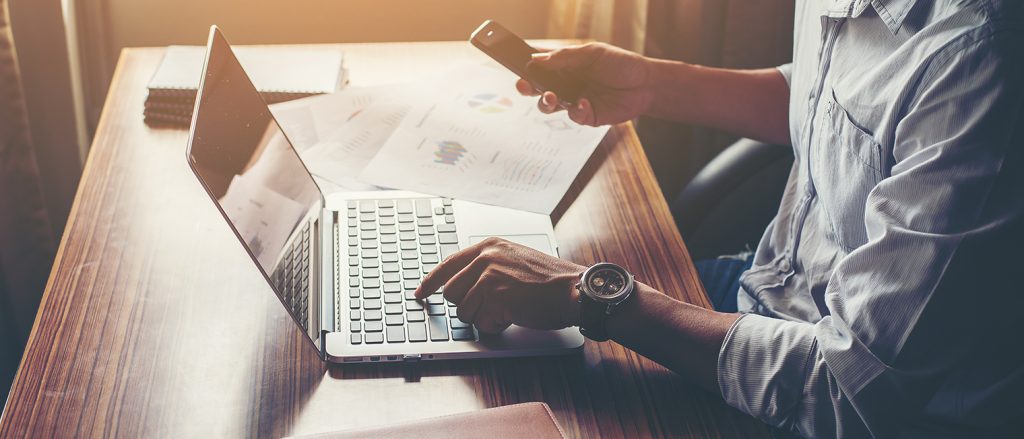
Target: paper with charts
[{"x": 477, "y": 139}]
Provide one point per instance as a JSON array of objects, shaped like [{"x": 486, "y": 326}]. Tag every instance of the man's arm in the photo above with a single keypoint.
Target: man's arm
[
  {"x": 751, "y": 103},
  {"x": 621, "y": 86}
]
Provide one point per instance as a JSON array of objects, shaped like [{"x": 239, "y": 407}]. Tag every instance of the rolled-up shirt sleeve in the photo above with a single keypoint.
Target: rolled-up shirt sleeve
[
  {"x": 787, "y": 72},
  {"x": 905, "y": 309}
]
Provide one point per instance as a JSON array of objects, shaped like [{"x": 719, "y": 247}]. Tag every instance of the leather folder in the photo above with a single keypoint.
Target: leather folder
[{"x": 529, "y": 420}]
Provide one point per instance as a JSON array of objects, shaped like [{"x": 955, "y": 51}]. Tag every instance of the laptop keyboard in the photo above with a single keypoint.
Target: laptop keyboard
[
  {"x": 391, "y": 245},
  {"x": 292, "y": 277}
]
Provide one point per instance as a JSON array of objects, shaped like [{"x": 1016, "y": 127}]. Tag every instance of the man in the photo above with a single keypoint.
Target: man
[{"x": 881, "y": 299}]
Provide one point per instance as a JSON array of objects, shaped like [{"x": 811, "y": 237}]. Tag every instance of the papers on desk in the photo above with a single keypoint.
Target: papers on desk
[{"x": 466, "y": 134}]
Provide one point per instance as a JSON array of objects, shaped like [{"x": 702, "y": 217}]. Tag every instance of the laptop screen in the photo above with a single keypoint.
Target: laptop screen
[{"x": 239, "y": 153}]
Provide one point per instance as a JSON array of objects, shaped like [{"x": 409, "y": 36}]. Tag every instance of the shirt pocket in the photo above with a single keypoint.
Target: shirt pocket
[{"x": 846, "y": 166}]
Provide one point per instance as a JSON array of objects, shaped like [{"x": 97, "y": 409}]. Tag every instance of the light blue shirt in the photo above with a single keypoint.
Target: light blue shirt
[{"x": 885, "y": 298}]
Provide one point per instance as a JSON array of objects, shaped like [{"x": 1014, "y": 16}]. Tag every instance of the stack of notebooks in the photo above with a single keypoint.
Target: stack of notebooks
[{"x": 279, "y": 73}]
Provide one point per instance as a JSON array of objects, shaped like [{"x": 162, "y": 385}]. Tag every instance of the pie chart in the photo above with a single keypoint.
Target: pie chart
[{"x": 490, "y": 103}]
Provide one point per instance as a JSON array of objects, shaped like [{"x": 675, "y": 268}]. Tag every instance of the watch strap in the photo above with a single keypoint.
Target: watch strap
[{"x": 593, "y": 319}]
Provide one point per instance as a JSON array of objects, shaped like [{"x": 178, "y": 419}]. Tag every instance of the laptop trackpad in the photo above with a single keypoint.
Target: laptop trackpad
[{"x": 536, "y": 242}]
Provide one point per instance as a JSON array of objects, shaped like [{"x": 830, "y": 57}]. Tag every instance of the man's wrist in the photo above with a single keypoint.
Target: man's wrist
[{"x": 572, "y": 309}]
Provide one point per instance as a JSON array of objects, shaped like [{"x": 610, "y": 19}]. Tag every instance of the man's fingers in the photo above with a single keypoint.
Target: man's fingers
[
  {"x": 566, "y": 57},
  {"x": 583, "y": 112},
  {"x": 456, "y": 287},
  {"x": 448, "y": 268},
  {"x": 525, "y": 88},
  {"x": 548, "y": 103}
]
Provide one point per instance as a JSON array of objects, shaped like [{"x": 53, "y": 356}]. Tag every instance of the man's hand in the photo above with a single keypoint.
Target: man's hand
[
  {"x": 496, "y": 283},
  {"x": 617, "y": 83}
]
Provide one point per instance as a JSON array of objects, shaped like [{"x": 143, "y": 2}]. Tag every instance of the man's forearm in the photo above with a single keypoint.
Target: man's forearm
[
  {"x": 677, "y": 335},
  {"x": 751, "y": 103}
]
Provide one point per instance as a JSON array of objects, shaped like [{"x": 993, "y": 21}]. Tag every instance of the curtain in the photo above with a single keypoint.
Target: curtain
[
  {"x": 721, "y": 33},
  {"x": 26, "y": 239}
]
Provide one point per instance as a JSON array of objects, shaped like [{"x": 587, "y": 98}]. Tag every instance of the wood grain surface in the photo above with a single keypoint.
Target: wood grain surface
[{"x": 156, "y": 324}]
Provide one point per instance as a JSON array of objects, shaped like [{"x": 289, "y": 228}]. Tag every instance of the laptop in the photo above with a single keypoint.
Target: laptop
[{"x": 345, "y": 265}]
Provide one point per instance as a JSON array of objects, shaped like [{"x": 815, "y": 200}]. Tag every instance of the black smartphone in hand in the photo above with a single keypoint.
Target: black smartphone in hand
[{"x": 513, "y": 53}]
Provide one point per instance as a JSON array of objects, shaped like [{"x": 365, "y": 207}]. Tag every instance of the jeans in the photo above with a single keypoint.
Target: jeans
[{"x": 721, "y": 279}]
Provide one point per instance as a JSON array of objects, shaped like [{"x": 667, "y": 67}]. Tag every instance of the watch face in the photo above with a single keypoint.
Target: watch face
[{"x": 606, "y": 282}]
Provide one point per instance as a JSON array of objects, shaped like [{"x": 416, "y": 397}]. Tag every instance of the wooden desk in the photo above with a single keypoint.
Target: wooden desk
[{"x": 155, "y": 323}]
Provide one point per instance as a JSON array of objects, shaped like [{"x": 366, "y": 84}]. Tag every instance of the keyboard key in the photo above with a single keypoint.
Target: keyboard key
[
  {"x": 393, "y": 298},
  {"x": 407, "y": 236},
  {"x": 428, "y": 250},
  {"x": 396, "y": 334},
  {"x": 448, "y": 250},
  {"x": 386, "y": 211},
  {"x": 415, "y": 316},
  {"x": 445, "y": 228},
  {"x": 353, "y": 241},
  {"x": 367, "y": 217},
  {"x": 371, "y": 283},
  {"x": 410, "y": 294},
  {"x": 353, "y": 261},
  {"x": 448, "y": 238},
  {"x": 417, "y": 332},
  {"x": 450, "y": 219},
  {"x": 446, "y": 202},
  {"x": 354, "y": 315},
  {"x": 436, "y": 310},
  {"x": 355, "y": 327},
  {"x": 388, "y": 239},
  {"x": 411, "y": 284},
  {"x": 368, "y": 234},
  {"x": 389, "y": 267},
  {"x": 429, "y": 259},
  {"x": 410, "y": 264},
  {"x": 464, "y": 334},
  {"x": 406, "y": 218},
  {"x": 373, "y": 315},
  {"x": 435, "y": 299},
  {"x": 406, "y": 227},
  {"x": 424, "y": 231},
  {"x": 393, "y": 320},
  {"x": 353, "y": 304},
  {"x": 388, "y": 230},
  {"x": 370, "y": 273},
  {"x": 389, "y": 257},
  {"x": 391, "y": 287},
  {"x": 385, "y": 203},
  {"x": 371, "y": 293},
  {"x": 356, "y": 338},
  {"x": 371, "y": 253},
  {"x": 374, "y": 326},
  {"x": 410, "y": 254},
  {"x": 370, "y": 263},
  {"x": 453, "y": 312},
  {"x": 353, "y": 293},
  {"x": 458, "y": 324},
  {"x": 392, "y": 277},
  {"x": 353, "y": 271},
  {"x": 389, "y": 248},
  {"x": 423, "y": 208},
  {"x": 438, "y": 328},
  {"x": 387, "y": 221},
  {"x": 353, "y": 251},
  {"x": 428, "y": 267},
  {"x": 352, "y": 213},
  {"x": 410, "y": 274},
  {"x": 439, "y": 210},
  {"x": 413, "y": 305},
  {"x": 408, "y": 245},
  {"x": 403, "y": 206},
  {"x": 428, "y": 240},
  {"x": 448, "y": 210},
  {"x": 367, "y": 206},
  {"x": 425, "y": 222},
  {"x": 372, "y": 304},
  {"x": 368, "y": 243},
  {"x": 371, "y": 227},
  {"x": 374, "y": 338},
  {"x": 393, "y": 308}
]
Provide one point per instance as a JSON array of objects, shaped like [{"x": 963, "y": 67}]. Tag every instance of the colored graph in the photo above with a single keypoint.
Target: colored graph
[
  {"x": 490, "y": 103},
  {"x": 449, "y": 152}
]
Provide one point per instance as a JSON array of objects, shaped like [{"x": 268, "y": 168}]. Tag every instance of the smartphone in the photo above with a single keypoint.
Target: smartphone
[{"x": 513, "y": 53}]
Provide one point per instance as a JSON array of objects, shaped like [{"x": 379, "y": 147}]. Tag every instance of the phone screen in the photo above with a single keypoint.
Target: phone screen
[{"x": 513, "y": 53}]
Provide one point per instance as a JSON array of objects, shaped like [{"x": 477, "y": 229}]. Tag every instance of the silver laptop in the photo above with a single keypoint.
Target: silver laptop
[{"x": 345, "y": 265}]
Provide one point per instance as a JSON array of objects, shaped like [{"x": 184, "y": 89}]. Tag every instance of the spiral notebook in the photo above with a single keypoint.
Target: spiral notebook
[{"x": 280, "y": 73}]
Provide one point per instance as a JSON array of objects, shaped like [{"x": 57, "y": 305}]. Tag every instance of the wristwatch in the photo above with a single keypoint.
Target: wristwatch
[{"x": 603, "y": 287}]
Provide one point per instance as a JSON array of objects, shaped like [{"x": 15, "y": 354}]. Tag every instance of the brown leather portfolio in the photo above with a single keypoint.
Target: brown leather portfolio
[{"x": 529, "y": 420}]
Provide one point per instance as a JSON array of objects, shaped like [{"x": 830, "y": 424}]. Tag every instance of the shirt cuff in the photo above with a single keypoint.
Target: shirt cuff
[
  {"x": 787, "y": 72},
  {"x": 762, "y": 366}
]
